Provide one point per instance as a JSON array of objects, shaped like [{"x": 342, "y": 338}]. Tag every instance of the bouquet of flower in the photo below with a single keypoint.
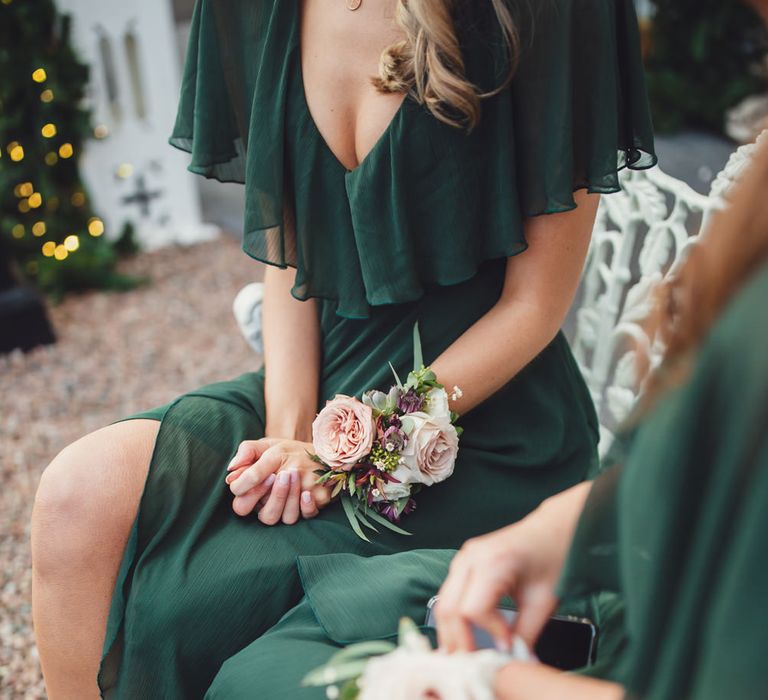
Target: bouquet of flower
[
  {"x": 411, "y": 670},
  {"x": 378, "y": 452}
]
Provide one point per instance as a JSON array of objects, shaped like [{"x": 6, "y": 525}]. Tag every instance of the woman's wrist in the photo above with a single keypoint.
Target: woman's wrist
[
  {"x": 290, "y": 424},
  {"x": 520, "y": 680}
]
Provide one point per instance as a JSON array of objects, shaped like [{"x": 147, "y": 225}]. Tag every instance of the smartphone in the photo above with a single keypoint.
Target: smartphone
[{"x": 566, "y": 642}]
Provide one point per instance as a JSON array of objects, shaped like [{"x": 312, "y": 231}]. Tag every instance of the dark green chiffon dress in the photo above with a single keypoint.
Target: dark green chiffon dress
[
  {"x": 420, "y": 231},
  {"x": 668, "y": 557}
]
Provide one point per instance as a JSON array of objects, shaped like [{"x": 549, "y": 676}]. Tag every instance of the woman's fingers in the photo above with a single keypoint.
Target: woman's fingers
[
  {"x": 535, "y": 609},
  {"x": 243, "y": 505},
  {"x": 308, "y": 506},
  {"x": 292, "y": 508},
  {"x": 479, "y": 607},
  {"x": 321, "y": 496},
  {"x": 248, "y": 452},
  {"x": 269, "y": 462},
  {"x": 272, "y": 510},
  {"x": 452, "y": 631},
  {"x": 234, "y": 474}
]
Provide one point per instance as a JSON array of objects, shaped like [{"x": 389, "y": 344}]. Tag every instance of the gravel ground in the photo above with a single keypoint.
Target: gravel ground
[{"x": 116, "y": 354}]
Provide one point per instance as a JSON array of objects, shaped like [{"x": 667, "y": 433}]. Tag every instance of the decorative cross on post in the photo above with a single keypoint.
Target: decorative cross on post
[{"x": 142, "y": 196}]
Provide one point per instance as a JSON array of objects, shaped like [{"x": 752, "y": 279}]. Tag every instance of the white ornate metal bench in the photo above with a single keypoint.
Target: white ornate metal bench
[{"x": 640, "y": 234}]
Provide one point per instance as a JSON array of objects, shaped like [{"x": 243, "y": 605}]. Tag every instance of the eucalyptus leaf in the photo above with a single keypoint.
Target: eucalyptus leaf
[
  {"x": 349, "y": 511},
  {"x": 361, "y": 517},
  {"x": 351, "y": 484},
  {"x": 381, "y": 520}
]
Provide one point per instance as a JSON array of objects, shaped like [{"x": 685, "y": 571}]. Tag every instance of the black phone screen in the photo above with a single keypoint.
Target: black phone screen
[{"x": 567, "y": 644}]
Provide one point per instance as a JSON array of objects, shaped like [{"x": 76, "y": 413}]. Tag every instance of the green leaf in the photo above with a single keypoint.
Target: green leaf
[
  {"x": 381, "y": 520},
  {"x": 314, "y": 457},
  {"x": 349, "y": 511},
  {"x": 361, "y": 517},
  {"x": 338, "y": 488},
  {"x": 397, "y": 379},
  {"x": 328, "y": 675},
  {"x": 350, "y": 690},
  {"x": 351, "y": 484},
  {"x": 418, "y": 357},
  {"x": 363, "y": 649}
]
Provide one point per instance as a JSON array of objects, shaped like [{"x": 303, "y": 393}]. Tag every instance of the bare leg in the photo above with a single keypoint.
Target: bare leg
[{"x": 84, "y": 508}]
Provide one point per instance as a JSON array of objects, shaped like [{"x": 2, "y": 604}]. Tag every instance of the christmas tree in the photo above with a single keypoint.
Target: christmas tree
[
  {"x": 703, "y": 59},
  {"x": 46, "y": 220}
]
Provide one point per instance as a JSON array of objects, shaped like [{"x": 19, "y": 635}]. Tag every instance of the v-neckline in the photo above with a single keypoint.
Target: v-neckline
[{"x": 385, "y": 134}]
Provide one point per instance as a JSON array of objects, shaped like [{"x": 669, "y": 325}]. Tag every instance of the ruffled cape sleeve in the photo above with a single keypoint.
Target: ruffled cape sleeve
[{"x": 430, "y": 203}]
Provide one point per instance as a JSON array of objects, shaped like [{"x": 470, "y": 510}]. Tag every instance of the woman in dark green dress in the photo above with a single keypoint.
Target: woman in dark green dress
[
  {"x": 417, "y": 202},
  {"x": 669, "y": 545}
]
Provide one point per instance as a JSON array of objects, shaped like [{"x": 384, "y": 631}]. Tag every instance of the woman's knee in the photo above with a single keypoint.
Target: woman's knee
[{"x": 88, "y": 495}]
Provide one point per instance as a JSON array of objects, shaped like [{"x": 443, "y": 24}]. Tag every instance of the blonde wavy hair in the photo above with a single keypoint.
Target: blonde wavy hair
[{"x": 429, "y": 64}]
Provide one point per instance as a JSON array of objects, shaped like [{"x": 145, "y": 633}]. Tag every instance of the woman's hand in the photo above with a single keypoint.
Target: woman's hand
[
  {"x": 277, "y": 476},
  {"x": 524, "y": 561},
  {"x": 527, "y": 681}
]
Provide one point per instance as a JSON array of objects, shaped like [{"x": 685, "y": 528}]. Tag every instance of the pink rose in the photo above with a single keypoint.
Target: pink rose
[
  {"x": 343, "y": 432},
  {"x": 431, "y": 450}
]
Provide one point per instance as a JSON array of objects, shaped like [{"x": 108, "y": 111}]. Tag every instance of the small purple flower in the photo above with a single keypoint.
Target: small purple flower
[
  {"x": 410, "y": 402},
  {"x": 394, "y": 439},
  {"x": 389, "y": 510}
]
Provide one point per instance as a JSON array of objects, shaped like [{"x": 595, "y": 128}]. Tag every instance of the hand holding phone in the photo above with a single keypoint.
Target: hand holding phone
[
  {"x": 523, "y": 561},
  {"x": 566, "y": 642}
]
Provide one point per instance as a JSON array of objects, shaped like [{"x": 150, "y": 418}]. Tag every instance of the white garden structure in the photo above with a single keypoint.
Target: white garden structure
[{"x": 640, "y": 234}]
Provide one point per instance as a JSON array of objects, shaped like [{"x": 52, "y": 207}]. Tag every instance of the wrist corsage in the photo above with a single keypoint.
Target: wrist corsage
[
  {"x": 377, "y": 452},
  {"x": 411, "y": 670}
]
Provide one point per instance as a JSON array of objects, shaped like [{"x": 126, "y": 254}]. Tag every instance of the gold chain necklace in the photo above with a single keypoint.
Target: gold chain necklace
[{"x": 353, "y": 5}]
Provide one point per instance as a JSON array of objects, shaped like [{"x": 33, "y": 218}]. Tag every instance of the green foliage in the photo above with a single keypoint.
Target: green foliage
[
  {"x": 43, "y": 203},
  {"x": 703, "y": 60}
]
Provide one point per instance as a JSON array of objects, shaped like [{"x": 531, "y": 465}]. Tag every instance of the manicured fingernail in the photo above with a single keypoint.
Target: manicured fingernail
[
  {"x": 284, "y": 478},
  {"x": 294, "y": 477},
  {"x": 233, "y": 461},
  {"x": 269, "y": 480},
  {"x": 503, "y": 646},
  {"x": 230, "y": 478},
  {"x": 306, "y": 497}
]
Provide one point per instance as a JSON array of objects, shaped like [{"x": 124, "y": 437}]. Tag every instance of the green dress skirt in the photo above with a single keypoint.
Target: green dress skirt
[
  {"x": 668, "y": 558},
  {"x": 199, "y": 583},
  {"x": 420, "y": 231}
]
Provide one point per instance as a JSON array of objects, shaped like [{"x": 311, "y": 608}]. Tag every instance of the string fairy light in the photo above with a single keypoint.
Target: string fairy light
[
  {"x": 95, "y": 226},
  {"x": 39, "y": 75},
  {"x": 49, "y": 130},
  {"x": 72, "y": 242},
  {"x": 60, "y": 252},
  {"x": 48, "y": 249},
  {"x": 46, "y": 95},
  {"x": 39, "y": 228},
  {"x": 66, "y": 150}
]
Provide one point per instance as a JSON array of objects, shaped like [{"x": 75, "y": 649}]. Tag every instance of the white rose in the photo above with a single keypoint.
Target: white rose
[
  {"x": 432, "y": 447},
  {"x": 436, "y": 404},
  {"x": 409, "y": 674},
  {"x": 393, "y": 491}
]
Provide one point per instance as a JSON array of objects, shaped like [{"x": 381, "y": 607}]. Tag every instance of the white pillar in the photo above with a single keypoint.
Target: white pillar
[{"x": 131, "y": 172}]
